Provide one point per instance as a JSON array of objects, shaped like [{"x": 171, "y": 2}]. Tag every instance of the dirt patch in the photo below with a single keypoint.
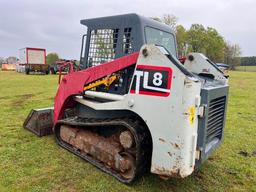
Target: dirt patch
[
  {"x": 232, "y": 171},
  {"x": 198, "y": 174},
  {"x": 25, "y": 95},
  {"x": 5, "y": 97},
  {"x": 21, "y": 99},
  {"x": 247, "y": 154},
  {"x": 244, "y": 153}
]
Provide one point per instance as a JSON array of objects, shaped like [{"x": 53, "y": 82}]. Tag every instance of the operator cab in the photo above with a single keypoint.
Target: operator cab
[{"x": 113, "y": 37}]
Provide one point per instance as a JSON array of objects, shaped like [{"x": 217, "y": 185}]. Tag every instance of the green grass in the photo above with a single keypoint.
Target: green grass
[
  {"x": 246, "y": 68},
  {"x": 29, "y": 163}
]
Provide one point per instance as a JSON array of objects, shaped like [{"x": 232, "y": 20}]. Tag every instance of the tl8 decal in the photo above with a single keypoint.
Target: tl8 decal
[{"x": 152, "y": 80}]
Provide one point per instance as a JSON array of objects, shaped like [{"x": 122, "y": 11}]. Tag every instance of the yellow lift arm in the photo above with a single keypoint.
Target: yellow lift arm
[{"x": 107, "y": 81}]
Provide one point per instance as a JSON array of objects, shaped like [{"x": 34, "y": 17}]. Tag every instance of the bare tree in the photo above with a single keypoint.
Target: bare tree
[
  {"x": 168, "y": 19},
  {"x": 12, "y": 60},
  {"x": 232, "y": 54},
  {"x": 2, "y": 60}
]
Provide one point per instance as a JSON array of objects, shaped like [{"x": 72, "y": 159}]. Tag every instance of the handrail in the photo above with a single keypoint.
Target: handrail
[{"x": 70, "y": 70}]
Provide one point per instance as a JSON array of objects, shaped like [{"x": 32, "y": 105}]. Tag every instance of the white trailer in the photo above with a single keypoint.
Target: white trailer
[{"x": 34, "y": 59}]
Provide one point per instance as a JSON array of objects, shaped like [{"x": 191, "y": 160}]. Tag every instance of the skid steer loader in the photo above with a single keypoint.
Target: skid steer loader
[{"x": 133, "y": 107}]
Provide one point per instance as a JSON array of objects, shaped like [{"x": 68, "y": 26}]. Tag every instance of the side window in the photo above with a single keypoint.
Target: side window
[
  {"x": 102, "y": 47},
  {"x": 127, "y": 41},
  {"x": 158, "y": 37}
]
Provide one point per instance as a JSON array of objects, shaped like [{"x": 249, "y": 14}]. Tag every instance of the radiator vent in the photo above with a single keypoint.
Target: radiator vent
[{"x": 216, "y": 115}]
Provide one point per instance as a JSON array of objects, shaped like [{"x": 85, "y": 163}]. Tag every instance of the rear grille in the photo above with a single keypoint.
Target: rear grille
[{"x": 216, "y": 114}]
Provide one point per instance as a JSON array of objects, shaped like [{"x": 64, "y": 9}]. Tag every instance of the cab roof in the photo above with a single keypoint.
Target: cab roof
[{"x": 124, "y": 20}]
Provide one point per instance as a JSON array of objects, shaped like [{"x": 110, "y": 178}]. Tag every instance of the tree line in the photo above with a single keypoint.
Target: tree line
[
  {"x": 248, "y": 61},
  {"x": 8, "y": 60},
  {"x": 206, "y": 40}
]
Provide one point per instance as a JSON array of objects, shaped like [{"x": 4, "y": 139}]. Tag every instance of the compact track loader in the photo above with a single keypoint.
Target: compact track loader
[{"x": 134, "y": 107}]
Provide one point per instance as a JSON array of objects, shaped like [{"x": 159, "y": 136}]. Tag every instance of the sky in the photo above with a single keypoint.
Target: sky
[{"x": 55, "y": 25}]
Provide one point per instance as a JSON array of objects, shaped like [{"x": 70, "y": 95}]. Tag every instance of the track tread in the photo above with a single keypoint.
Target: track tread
[{"x": 136, "y": 126}]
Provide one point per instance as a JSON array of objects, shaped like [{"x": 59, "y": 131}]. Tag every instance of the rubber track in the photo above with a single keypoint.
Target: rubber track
[{"x": 142, "y": 139}]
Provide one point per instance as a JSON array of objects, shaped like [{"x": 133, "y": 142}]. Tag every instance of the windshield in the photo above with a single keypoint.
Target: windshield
[{"x": 162, "y": 38}]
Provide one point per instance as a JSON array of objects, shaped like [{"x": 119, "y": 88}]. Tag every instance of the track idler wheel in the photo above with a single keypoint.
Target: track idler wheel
[{"x": 127, "y": 166}]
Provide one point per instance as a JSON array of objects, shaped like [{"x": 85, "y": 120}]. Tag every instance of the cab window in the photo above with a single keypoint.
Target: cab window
[{"x": 158, "y": 37}]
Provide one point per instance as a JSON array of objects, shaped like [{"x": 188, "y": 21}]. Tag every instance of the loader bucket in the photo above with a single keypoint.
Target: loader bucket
[{"x": 40, "y": 121}]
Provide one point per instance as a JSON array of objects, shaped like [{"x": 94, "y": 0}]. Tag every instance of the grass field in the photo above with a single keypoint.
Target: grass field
[
  {"x": 29, "y": 163},
  {"x": 246, "y": 68}
]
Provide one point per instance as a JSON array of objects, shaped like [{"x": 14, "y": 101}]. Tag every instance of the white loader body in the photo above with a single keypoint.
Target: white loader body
[{"x": 172, "y": 117}]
